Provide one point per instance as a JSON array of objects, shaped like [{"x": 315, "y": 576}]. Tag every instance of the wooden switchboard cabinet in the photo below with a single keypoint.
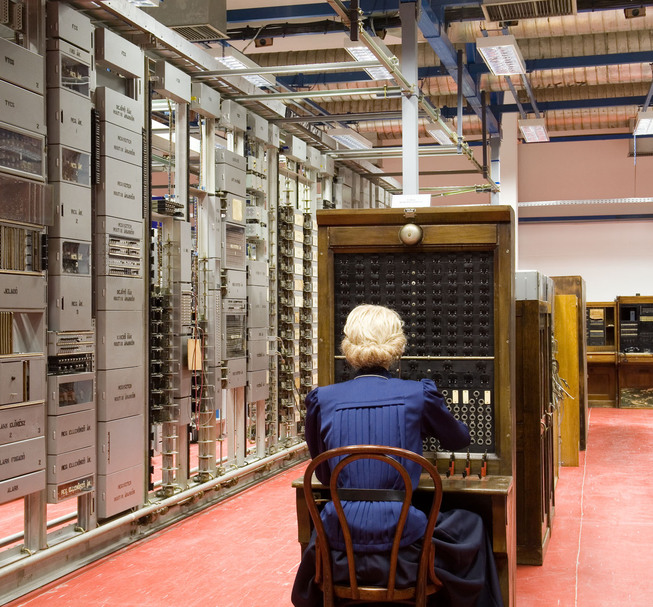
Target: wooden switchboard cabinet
[
  {"x": 602, "y": 341},
  {"x": 453, "y": 285}
]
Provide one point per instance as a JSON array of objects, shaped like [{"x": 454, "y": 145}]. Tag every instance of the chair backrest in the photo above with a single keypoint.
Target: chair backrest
[{"x": 426, "y": 582}]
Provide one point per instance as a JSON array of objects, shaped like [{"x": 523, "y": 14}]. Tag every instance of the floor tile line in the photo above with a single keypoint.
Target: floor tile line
[{"x": 582, "y": 511}]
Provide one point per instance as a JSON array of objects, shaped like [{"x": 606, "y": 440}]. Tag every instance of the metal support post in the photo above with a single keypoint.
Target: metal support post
[{"x": 409, "y": 102}]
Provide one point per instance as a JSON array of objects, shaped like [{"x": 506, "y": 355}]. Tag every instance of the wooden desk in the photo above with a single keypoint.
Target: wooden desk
[{"x": 493, "y": 498}]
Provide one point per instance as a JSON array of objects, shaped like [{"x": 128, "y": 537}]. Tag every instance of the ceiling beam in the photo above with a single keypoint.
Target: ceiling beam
[{"x": 434, "y": 30}]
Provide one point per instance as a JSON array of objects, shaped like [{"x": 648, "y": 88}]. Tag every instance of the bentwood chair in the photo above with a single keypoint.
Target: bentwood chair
[{"x": 426, "y": 583}]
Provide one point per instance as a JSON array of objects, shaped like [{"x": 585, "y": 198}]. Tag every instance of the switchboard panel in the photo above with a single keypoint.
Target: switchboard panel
[
  {"x": 446, "y": 288},
  {"x": 120, "y": 443},
  {"x": 69, "y": 67},
  {"x": 67, "y": 23},
  {"x": 22, "y": 152},
  {"x": 69, "y": 257},
  {"x": 258, "y": 385},
  {"x": 69, "y": 165},
  {"x": 120, "y": 192},
  {"x": 171, "y": 82},
  {"x": 205, "y": 100},
  {"x": 71, "y": 431},
  {"x": 72, "y": 209},
  {"x": 70, "y": 393},
  {"x": 23, "y": 291},
  {"x": 121, "y": 144},
  {"x": 71, "y": 466},
  {"x": 21, "y": 486},
  {"x": 22, "y": 457},
  {"x": 119, "y": 109},
  {"x": 120, "y": 339},
  {"x": 21, "y": 67},
  {"x": 21, "y": 422},
  {"x": 69, "y": 119},
  {"x": 115, "y": 293},
  {"x": 22, "y": 108},
  {"x": 70, "y": 303},
  {"x": 120, "y": 491},
  {"x": 120, "y": 55},
  {"x": 234, "y": 246},
  {"x": 236, "y": 372},
  {"x": 120, "y": 393}
]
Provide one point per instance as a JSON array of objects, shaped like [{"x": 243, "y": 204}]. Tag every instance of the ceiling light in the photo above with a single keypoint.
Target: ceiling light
[
  {"x": 439, "y": 135},
  {"x": 502, "y": 55},
  {"x": 232, "y": 63},
  {"x": 362, "y": 53},
  {"x": 350, "y": 139},
  {"x": 644, "y": 124},
  {"x": 533, "y": 129},
  {"x": 148, "y": 3}
]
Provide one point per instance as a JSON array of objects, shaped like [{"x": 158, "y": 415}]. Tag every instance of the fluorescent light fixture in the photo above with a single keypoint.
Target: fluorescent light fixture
[
  {"x": 232, "y": 63},
  {"x": 439, "y": 135},
  {"x": 502, "y": 55},
  {"x": 644, "y": 124},
  {"x": 533, "y": 129},
  {"x": 362, "y": 53},
  {"x": 148, "y": 3},
  {"x": 350, "y": 139}
]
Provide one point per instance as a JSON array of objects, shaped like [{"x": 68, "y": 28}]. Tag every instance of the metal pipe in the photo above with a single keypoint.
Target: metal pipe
[
  {"x": 531, "y": 96},
  {"x": 17, "y": 566},
  {"x": 316, "y": 94},
  {"x": 10, "y": 539},
  {"x": 393, "y": 152},
  {"x": 513, "y": 90}
]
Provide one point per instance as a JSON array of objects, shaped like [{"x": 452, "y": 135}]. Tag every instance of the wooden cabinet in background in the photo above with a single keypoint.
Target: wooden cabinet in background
[
  {"x": 534, "y": 414},
  {"x": 575, "y": 285},
  {"x": 602, "y": 340}
]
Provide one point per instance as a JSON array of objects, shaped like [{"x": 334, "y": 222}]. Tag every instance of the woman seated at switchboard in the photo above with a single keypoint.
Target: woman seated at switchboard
[{"x": 401, "y": 414}]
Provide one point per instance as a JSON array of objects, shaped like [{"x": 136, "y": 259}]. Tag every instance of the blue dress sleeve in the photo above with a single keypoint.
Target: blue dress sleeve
[
  {"x": 313, "y": 434},
  {"x": 437, "y": 420}
]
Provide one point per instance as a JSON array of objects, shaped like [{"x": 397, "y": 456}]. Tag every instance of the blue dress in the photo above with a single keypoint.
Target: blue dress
[{"x": 376, "y": 409}]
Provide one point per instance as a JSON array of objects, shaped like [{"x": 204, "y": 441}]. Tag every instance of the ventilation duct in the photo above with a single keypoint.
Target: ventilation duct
[
  {"x": 195, "y": 20},
  {"x": 510, "y": 10}
]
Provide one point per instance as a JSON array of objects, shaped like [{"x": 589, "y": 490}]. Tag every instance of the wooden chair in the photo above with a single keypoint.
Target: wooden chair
[{"x": 426, "y": 583}]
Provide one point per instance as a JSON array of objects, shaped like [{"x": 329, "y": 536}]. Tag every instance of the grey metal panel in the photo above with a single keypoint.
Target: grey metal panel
[
  {"x": 258, "y": 386},
  {"x": 21, "y": 422},
  {"x": 37, "y": 377},
  {"x": 234, "y": 246},
  {"x": 257, "y": 355},
  {"x": 22, "y": 291},
  {"x": 171, "y": 82},
  {"x": 120, "y": 193},
  {"x": 257, "y": 334},
  {"x": 65, "y": 22},
  {"x": 12, "y": 382},
  {"x": 117, "y": 226},
  {"x": 531, "y": 285},
  {"x": 22, "y": 108},
  {"x": 70, "y": 303},
  {"x": 117, "y": 53},
  {"x": 236, "y": 284},
  {"x": 21, "y": 66},
  {"x": 22, "y": 457},
  {"x": 234, "y": 116},
  {"x": 118, "y": 109},
  {"x": 116, "y": 293},
  {"x": 185, "y": 410},
  {"x": 69, "y": 119},
  {"x": 121, "y": 442},
  {"x": 121, "y": 144},
  {"x": 21, "y": 486},
  {"x": 65, "y": 490},
  {"x": 233, "y": 181},
  {"x": 257, "y": 273},
  {"x": 72, "y": 211},
  {"x": 120, "y": 393},
  {"x": 68, "y": 67},
  {"x": 120, "y": 491},
  {"x": 236, "y": 372},
  {"x": 68, "y": 257},
  {"x": 119, "y": 339},
  {"x": 258, "y": 308},
  {"x": 258, "y": 127},
  {"x": 182, "y": 238},
  {"x": 71, "y": 431},
  {"x": 70, "y": 165},
  {"x": 71, "y": 465},
  {"x": 70, "y": 393},
  {"x": 205, "y": 100}
]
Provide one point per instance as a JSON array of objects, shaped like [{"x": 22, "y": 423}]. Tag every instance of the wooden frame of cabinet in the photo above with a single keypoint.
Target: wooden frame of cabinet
[{"x": 602, "y": 376}]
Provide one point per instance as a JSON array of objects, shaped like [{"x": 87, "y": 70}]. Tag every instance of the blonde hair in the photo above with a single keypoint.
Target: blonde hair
[{"x": 374, "y": 337}]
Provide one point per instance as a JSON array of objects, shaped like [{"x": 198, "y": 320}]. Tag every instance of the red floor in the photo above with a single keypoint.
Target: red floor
[{"x": 243, "y": 552}]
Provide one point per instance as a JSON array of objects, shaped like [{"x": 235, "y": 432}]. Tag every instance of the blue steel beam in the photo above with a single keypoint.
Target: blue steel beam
[
  {"x": 434, "y": 31},
  {"x": 305, "y": 11}
]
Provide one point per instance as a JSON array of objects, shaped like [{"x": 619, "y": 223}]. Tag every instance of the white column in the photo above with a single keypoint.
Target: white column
[
  {"x": 508, "y": 167},
  {"x": 409, "y": 105}
]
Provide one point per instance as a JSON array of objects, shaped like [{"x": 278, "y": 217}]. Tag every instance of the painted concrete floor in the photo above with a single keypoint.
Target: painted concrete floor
[{"x": 244, "y": 552}]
